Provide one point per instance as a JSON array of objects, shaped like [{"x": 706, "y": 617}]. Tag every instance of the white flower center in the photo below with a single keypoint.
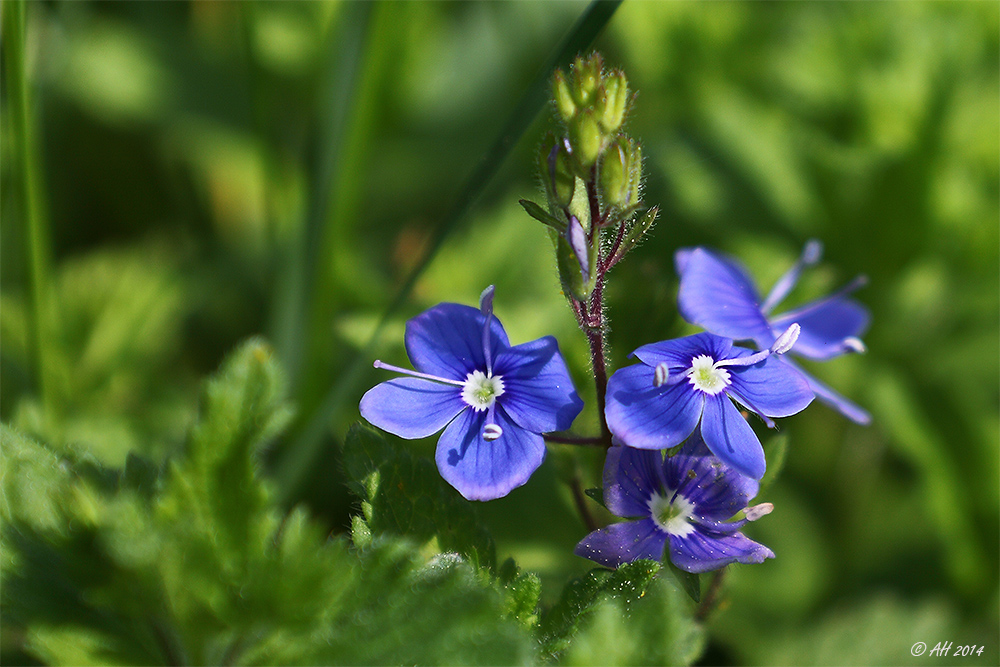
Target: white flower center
[
  {"x": 671, "y": 517},
  {"x": 706, "y": 376},
  {"x": 481, "y": 391}
]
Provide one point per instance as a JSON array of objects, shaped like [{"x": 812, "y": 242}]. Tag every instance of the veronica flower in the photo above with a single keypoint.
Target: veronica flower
[
  {"x": 685, "y": 502},
  {"x": 717, "y": 294},
  {"x": 492, "y": 400},
  {"x": 658, "y": 403}
]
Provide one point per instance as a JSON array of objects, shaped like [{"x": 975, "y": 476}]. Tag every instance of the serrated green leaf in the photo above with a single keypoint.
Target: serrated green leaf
[
  {"x": 521, "y": 591},
  {"x": 399, "y": 610},
  {"x": 94, "y": 573},
  {"x": 656, "y": 628},
  {"x": 361, "y": 534},
  {"x": 406, "y": 496},
  {"x": 626, "y": 584}
]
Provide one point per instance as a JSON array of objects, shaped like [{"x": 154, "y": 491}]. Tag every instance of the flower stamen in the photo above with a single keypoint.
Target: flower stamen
[
  {"x": 671, "y": 513},
  {"x": 707, "y": 375},
  {"x": 480, "y": 390}
]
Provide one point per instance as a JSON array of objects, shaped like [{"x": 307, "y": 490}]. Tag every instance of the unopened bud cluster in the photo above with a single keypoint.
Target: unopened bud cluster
[{"x": 592, "y": 173}]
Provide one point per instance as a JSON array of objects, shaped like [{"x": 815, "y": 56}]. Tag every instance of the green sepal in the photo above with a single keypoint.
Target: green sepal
[
  {"x": 586, "y": 78},
  {"x": 613, "y": 100},
  {"x": 586, "y": 139},
  {"x": 689, "y": 581},
  {"x": 596, "y": 494},
  {"x": 563, "y": 96},
  {"x": 571, "y": 273},
  {"x": 541, "y": 215},
  {"x": 614, "y": 177}
]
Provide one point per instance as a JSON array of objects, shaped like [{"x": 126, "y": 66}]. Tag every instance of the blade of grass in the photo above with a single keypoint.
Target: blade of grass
[
  {"x": 39, "y": 251},
  {"x": 304, "y": 449},
  {"x": 336, "y": 106}
]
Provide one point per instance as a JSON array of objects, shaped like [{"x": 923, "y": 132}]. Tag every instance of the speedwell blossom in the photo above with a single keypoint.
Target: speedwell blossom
[
  {"x": 658, "y": 403},
  {"x": 717, "y": 294},
  {"x": 494, "y": 401},
  {"x": 685, "y": 501}
]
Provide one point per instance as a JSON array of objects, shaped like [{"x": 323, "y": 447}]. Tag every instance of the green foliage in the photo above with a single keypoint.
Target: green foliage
[
  {"x": 562, "y": 621},
  {"x": 197, "y": 565},
  {"x": 654, "y": 629},
  {"x": 404, "y": 495}
]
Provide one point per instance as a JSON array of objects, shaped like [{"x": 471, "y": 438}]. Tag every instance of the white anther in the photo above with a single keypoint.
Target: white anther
[
  {"x": 757, "y": 511},
  {"x": 661, "y": 375},
  {"x": 786, "y": 340},
  {"x": 492, "y": 432},
  {"x": 853, "y": 344}
]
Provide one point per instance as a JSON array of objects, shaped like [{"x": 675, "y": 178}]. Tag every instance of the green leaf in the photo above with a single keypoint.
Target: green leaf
[
  {"x": 690, "y": 582},
  {"x": 243, "y": 408},
  {"x": 656, "y": 628},
  {"x": 521, "y": 592},
  {"x": 141, "y": 572},
  {"x": 597, "y": 494},
  {"x": 636, "y": 231},
  {"x": 407, "y": 497},
  {"x": 541, "y": 215},
  {"x": 580, "y": 596}
]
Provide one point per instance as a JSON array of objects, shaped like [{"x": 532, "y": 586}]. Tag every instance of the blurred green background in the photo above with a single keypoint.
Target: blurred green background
[{"x": 210, "y": 170}]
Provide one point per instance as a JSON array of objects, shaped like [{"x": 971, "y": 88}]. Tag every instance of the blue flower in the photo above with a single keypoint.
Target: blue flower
[
  {"x": 657, "y": 404},
  {"x": 494, "y": 401},
  {"x": 686, "y": 501},
  {"x": 717, "y": 294}
]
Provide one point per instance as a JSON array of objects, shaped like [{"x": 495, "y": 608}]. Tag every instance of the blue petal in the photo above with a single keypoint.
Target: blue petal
[
  {"x": 730, "y": 437},
  {"x": 824, "y": 327},
  {"x": 631, "y": 476},
  {"x": 447, "y": 340},
  {"x": 854, "y": 412},
  {"x": 622, "y": 543},
  {"x": 772, "y": 387},
  {"x": 716, "y": 490},
  {"x": 679, "y": 352},
  {"x": 538, "y": 392},
  {"x": 701, "y": 552},
  {"x": 649, "y": 417},
  {"x": 717, "y": 294},
  {"x": 411, "y": 407},
  {"x": 481, "y": 469}
]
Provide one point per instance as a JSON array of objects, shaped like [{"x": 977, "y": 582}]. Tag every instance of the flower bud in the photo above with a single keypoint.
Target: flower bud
[
  {"x": 561, "y": 179},
  {"x": 615, "y": 185},
  {"x": 634, "y": 173},
  {"x": 563, "y": 97},
  {"x": 585, "y": 138},
  {"x": 613, "y": 100},
  {"x": 586, "y": 77}
]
